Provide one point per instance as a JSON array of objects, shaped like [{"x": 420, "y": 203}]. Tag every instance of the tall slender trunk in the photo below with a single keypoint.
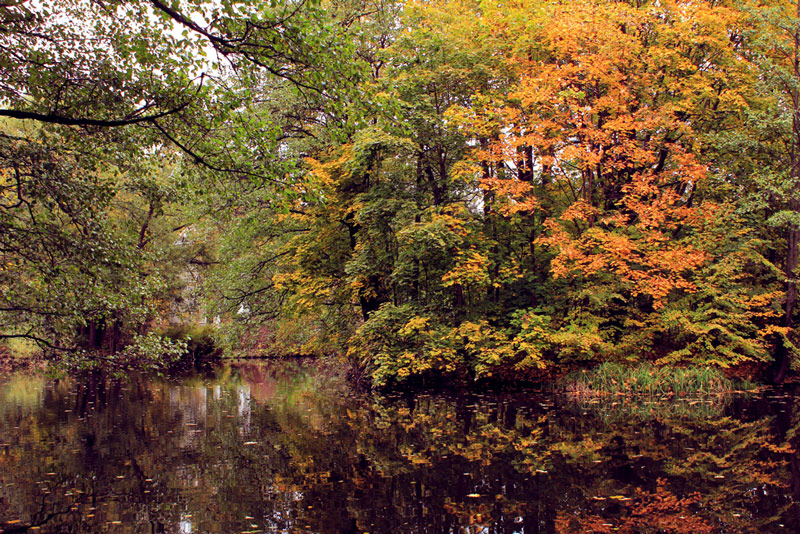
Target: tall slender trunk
[{"x": 782, "y": 355}]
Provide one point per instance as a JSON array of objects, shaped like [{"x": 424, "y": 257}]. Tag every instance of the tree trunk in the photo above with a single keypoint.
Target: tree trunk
[{"x": 782, "y": 354}]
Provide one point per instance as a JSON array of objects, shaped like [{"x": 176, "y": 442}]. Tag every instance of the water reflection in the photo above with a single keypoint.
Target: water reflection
[{"x": 272, "y": 448}]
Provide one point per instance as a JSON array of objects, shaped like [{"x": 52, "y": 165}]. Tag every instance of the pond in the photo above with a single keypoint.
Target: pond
[{"x": 276, "y": 447}]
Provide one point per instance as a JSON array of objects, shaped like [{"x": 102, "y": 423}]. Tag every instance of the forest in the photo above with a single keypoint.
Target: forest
[{"x": 418, "y": 190}]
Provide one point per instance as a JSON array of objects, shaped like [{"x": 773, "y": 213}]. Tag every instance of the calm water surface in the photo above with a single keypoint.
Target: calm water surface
[{"x": 273, "y": 448}]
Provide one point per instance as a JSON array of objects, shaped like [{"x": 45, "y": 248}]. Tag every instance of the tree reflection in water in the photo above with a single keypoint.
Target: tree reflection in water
[{"x": 273, "y": 448}]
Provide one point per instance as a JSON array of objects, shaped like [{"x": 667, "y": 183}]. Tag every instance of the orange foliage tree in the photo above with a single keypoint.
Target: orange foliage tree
[{"x": 600, "y": 142}]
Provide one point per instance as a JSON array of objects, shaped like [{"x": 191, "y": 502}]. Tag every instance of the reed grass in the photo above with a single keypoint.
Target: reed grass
[{"x": 649, "y": 380}]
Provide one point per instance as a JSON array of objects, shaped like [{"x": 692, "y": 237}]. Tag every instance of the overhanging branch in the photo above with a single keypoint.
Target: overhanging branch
[
  {"x": 54, "y": 118},
  {"x": 39, "y": 341}
]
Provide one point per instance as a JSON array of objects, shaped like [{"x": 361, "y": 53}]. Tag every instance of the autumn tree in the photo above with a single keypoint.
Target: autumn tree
[{"x": 600, "y": 142}]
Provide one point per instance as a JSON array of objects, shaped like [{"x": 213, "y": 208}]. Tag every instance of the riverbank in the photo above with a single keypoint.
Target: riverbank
[{"x": 607, "y": 379}]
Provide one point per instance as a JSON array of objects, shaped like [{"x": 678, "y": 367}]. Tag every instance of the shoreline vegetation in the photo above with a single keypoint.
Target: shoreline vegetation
[
  {"x": 646, "y": 380},
  {"x": 638, "y": 381}
]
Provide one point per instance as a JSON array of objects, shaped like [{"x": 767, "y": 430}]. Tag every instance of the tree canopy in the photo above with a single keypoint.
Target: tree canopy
[{"x": 426, "y": 190}]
